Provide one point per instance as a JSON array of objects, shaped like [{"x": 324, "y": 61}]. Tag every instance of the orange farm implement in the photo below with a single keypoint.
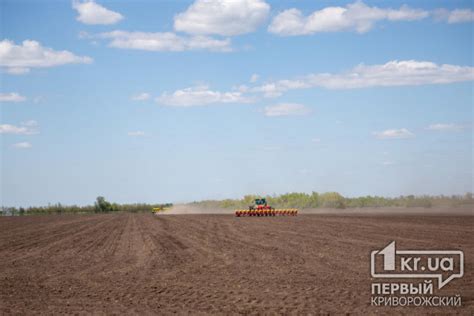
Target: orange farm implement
[{"x": 261, "y": 208}]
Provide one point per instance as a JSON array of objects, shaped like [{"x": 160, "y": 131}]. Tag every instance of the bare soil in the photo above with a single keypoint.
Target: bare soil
[{"x": 213, "y": 264}]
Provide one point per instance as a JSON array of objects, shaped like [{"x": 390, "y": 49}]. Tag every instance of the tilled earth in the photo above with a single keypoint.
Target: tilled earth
[{"x": 218, "y": 264}]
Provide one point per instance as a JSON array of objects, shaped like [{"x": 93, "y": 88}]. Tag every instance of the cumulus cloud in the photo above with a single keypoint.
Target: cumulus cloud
[
  {"x": 357, "y": 17},
  {"x": 11, "y": 97},
  {"x": 25, "y": 128},
  {"x": 164, "y": 41},
  {"x": 18, "y": 59},
  {"x": 454, "y": 16},
  {"x": 402, "y": 133},
  {"x": 136, "y": 133},
  {"x": 286, "y": 109},
  {"x": 222, "y": 17},
  {"x": 461, "y": 15},
  {"x": 277, "y": 88},
  {"x": 200, "y": 95},
  {"x": 22, "y": 145},
  {"x": 92, "y": 13},
  {"x": 393, "y": 73},
  {"x": 447, "y": 127},
  {"x": 141, "y": 97}
]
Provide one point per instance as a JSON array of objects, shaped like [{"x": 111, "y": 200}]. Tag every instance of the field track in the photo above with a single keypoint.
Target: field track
[{"x": 146, "y": 264}]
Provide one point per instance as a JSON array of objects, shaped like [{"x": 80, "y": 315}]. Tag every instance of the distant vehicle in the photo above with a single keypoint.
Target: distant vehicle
[
  {"x": 161, "y": 208},
  {"x": 158, "y": 209},
  {"x": 260, "y": 204},
  {"x": 261, "y": 208}
]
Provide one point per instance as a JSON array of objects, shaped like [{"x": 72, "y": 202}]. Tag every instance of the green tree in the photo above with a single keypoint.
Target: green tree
[{"x": 102, "y": 206}]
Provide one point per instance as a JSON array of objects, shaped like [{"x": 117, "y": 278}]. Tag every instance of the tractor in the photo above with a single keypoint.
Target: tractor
[
  {"x": 261, "y": 208},
  {"x": 260, "y": 204}
]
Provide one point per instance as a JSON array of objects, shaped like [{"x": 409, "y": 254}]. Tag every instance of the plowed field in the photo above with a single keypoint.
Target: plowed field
[{"x": 201, "y": 264}]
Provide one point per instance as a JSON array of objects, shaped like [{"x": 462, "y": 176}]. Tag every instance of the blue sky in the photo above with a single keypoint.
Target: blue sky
[{"x": 154, "y": 101}]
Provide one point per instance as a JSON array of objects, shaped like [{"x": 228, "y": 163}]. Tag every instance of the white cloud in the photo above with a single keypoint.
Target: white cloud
[
  {"x": 316, "y": 140},
  {"x": 357, "y": 17},
  {"x": 165, "y": 41},
  {"x": 241, "y": 88},
  {"x": 388, "y": 163},
  {"x": 288, "y": 22},
  {"x": 222, "y": 17},
  {"x": 454, "y": 16},
  {"x": 141, "y": 97},
  {"x": 22, "y": 145},
  {"x": 393, "y": 73},
  {"x": 11, "y": 97},
  {"x": 254, "y": 78},
  {"x": 93, "y": 13},
  {"x": 19, "y": 59},
  {"x": 25, "y": 128},
  {"x": 136, "y": 134},
  {"x": 18, "y": 70},
  {"x": 200, "y": 95},
  {"x": 286, "y": 109},
  {"x": 461, "y": 15},
  {"x": 30, "y": 123},
  {"x": 275, "y": 89},
  {"x": 443, "y": 127},
  {"x": 402, "y": 133}
]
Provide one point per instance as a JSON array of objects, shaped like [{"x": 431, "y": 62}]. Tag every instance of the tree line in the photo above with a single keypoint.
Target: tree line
[
  {"x": 288, "y": 200},
  {"x": 336, "y": 200},
  {"x": 101, "y": 205}
]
